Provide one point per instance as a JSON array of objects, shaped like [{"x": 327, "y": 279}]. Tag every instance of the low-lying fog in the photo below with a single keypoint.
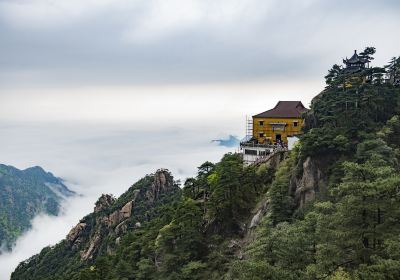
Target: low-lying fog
[
  {"x": 94, "y": 160},
  {"x": 103, "y": 143}
]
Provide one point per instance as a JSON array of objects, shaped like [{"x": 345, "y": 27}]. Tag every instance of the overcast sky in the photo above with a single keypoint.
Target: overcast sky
[
  {"x": 58, "y": 44},
  {"x": 94, "y": 53}
]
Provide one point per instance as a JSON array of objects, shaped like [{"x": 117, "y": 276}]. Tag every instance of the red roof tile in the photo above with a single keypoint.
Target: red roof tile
[{"x": 284, "y": 109}]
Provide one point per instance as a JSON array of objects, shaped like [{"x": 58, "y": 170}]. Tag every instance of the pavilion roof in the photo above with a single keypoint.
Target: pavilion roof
[{"x": 355, "y": 59}]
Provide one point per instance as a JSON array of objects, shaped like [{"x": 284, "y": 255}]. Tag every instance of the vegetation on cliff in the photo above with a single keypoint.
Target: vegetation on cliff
[{"x": 329, "y": 209}]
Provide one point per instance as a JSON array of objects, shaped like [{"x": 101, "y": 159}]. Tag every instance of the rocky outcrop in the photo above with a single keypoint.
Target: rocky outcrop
[
  {"x": 163, "y": 182},
  {"x": 121, "y": 228},
  {"x": 109, "y": 221},
  {"x": 93, "y": 246},
  {"x": 126, "y": 210},
  {"x": 260, "y": 211},
  {"x": 75, "y": 236},
  {"x": 118, "y": 216},
  {"x": 311, "y": 181},
  {"x": 89, "y": 241},
  {"x": 255, "y": 221},
  {"x": 113, "y": 219},
  {"x": 103, "y": 202}
]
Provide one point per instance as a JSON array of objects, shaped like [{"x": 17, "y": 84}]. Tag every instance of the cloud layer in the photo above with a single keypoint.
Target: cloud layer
[
  {"x": 63, "y": 43},
  {"x": 95, "y": 159}
]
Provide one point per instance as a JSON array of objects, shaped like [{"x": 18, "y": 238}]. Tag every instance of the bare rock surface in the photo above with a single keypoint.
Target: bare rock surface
[
  {"x": 113, "y": 221},
  {"x": 162, "y": 183},
  {"x": 105, "y": 201},
  {"x": 93, "y": 246},
  {"x": 74, "y": 237},
  {"x": 312, "y": 180}
]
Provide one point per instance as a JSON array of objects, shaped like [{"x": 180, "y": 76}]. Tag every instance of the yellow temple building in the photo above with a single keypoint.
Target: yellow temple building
[
  {"x": 276, "y": 125},
  {"x": 272, "y": 131}
]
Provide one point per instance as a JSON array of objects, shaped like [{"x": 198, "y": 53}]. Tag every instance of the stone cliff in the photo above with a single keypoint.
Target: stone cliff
[
  {"x": 312, "y": 180},
  {"x": 112, "y": 218}
]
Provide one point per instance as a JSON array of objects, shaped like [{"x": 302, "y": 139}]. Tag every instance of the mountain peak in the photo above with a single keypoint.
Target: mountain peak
[{"x": 27, "y": 192}]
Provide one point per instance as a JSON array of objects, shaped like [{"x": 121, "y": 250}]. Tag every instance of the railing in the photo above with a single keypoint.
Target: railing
[
  {"x": 268, "y": 157},
  {"x": 256, "y": 145}
]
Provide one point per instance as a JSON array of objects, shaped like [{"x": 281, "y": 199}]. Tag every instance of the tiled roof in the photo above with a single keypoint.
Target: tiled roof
[
  {"x": 284, "y": 109},
  {"x": 355, "y": 59}
]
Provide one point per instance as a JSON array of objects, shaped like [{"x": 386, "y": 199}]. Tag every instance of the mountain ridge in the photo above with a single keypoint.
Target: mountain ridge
[{"x": 24, "y": 194}]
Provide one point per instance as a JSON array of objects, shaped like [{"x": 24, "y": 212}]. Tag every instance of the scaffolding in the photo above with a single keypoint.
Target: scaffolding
[
  {"x": 249, "y": 127},
  {"x": 253, "y": 152}
]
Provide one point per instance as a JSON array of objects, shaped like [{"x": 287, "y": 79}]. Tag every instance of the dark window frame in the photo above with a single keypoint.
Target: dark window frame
[{"x": 250, "y": 152}]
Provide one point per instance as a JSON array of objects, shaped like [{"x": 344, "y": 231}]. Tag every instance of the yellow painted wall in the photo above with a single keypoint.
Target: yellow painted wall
[{"x": 266, "y": 128}]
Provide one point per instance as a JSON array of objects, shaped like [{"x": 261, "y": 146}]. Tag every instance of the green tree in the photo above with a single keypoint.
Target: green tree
[
  {"x": 356, "y": 228},
  {"x": 181, "y": 241},
  {"x": 231, "y": 194}
]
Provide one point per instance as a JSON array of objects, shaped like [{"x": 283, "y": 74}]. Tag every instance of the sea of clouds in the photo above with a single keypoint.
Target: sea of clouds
[
  {"x": 103, "y": 140},
  {"x": 96, "y": 159}
]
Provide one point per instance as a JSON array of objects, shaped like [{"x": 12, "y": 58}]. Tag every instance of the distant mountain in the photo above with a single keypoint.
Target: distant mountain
[
  {"x": 232, "y": 141},
  {"x": 23, "y": 195}
]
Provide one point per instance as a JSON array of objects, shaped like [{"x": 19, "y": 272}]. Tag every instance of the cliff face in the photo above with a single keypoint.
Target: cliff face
[
  {"x": 307, "y": 179},
  {"x": 112, "y": 218},
  {"x": 311, "y": 181},
  {"x": 87, "y": 239}
]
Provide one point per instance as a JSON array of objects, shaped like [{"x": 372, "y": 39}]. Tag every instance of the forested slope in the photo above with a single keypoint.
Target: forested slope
[{"x": 24, "y": 194}]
